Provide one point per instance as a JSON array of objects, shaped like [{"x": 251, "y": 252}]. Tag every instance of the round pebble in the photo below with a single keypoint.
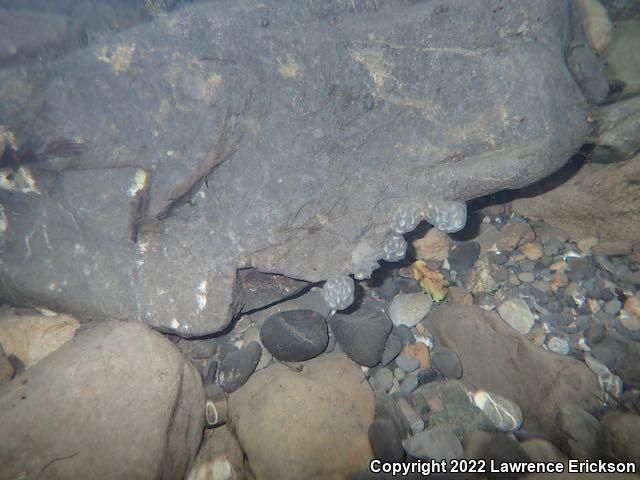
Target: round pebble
[
  {"x": 362, "y": 334},
  {"x": 407, "y": 363},
  {"x": 559, "y": 345},
  {"x": 236, "y": 367},
  {"x": 409, "y": 308},
  {"x": 613, "y": 306},
  {"x": 434, "y": 444},
  {"x": 499, "y": 259},
  {"x": 527, "y": 277},
  {"x": 405, "y": 335},
  {"x": 410, "y": 383},
  {"x": 427, "y": 376},
  {"x": 295, "y": 335}
]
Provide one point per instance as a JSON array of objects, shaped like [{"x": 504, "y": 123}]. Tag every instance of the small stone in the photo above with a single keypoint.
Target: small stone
[
  {"x": 463, "y": 255},
  {"x": 420, "y": 351},
  {"x": 295, "y": 335},
  {"x": 558, "y": 266},
  {"x": 517, "y": 315},
  {"x": 405, "y": 335},
  {"x": 514, "y": 234},
  {"x": 427, "y": 376},
  {"x": 385, "y": 441},
  {"x": 434, "y": 245},
  {"x": 593, "y": 305},
  {"x": 630, "y": 322},
  {"x": 252, "y": 334},
  {"x": 434, "y": 444},
  {"x": 632, "y": 305},
  {"x": 612, "y": 249},
  {"x": 486, "y": 301},
  {"x": 409, "y": 308},
  {"x": 542, "y": 286},
  {"x": 613, "y": 306},
  {"x": 498, "y": 448},
  {"x": 533, "y": 251},
  {"x": 362, "y": 334},
  {"x": 558, "y": 281},
  {"x": 384, "y": 378},
  {"x": 559, "y": 345},
  {"x": 447, "y": 362},
  {"x": 481, "y": 279},
  {"x": 236, "y": 368},
  {"x": 407, "y": 363},
  {"x": 460, "y": 295},
  {"x": 498, "y": 258},
  {"x": 526, "y": 277},
  {"x": 500, "y": 274},
  {"x": 537, "y": 335},
  {"x": 415, "y": 421},
  {"x": 387, "y": 408},
  {"x": 392, "y": 349},
  {"x": 399, "y": 374},
  {"x": 410, "y": 383},
  {"x": 595, "y": 331},
  {"x": 505, "y": 414},
  {"x": 586, "y": 244}
]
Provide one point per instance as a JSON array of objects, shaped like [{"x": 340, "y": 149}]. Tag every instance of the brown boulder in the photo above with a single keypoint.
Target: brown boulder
[{"x": 311, "y": 423}]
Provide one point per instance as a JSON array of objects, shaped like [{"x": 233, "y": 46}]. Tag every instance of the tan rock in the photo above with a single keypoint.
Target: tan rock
[
  {"x": 559, "y": 280},
  {"x": 596, "y": 23},
  {"x": 533, "y": 251},
  {"x": 632, "y": 305},
  {"x": 420, "y": 351},
  {"x": 586, "y": 244},
  {"x": 311, "y": 423},
  {"x": 33, "y": 337},
  {"x": 460, "y": 296},
  {"x": 600, "y": 200},
  {"x": 513, "y": 234},
  {"x": 434, "y": 245},
  {"x": 558, "y": 266}
]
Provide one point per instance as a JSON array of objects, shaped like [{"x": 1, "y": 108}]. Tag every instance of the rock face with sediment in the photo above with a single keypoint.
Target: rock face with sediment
[
  {"x": 262, "y": 134},
  {"x": 116, "y": 388}
]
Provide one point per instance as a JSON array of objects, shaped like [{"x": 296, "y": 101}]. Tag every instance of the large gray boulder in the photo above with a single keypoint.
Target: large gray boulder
[
  {"x": 279, "y": 135},
  {"x": 117, "y": 401}
]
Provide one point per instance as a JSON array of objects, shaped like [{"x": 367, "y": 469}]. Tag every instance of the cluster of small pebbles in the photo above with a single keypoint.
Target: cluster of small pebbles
[{"x": 575, "y": 297}]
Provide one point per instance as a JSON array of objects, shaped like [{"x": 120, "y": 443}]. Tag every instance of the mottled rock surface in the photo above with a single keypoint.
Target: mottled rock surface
[{"x": 274, "y": 135}]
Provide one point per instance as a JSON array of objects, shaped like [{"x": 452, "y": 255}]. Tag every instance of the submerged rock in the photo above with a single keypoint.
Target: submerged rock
[
  {"x": 115, "y": 387},
  {"x": 174, "y": 178},
  {"x": 312, "y": 423}
]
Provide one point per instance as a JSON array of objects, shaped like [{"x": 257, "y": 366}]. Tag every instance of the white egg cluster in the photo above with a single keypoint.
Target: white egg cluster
[
  {"x": 447, "y": 216},
  {"x": 364, "y": 260},
  {"x": 405, "y": 220},
  {"x": 338, "y": 292},
  {"x": 395, "y": 248}
]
